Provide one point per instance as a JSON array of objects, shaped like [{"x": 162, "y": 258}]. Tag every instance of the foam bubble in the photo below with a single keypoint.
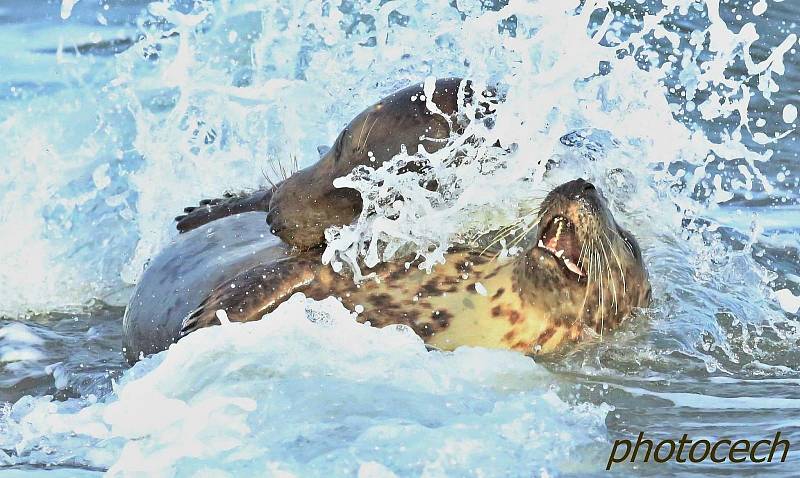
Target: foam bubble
[
  {"x": 760, "y": 7},
  {"x": 66, "y": 8},
  {"x": 789, "y": 302},
  {"x": 789, "y": 113}
]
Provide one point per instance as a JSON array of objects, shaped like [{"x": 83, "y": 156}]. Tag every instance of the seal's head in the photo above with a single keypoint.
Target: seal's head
[
  {"x": 307, "y": 203},
  {"x": 584, "y": 270}
]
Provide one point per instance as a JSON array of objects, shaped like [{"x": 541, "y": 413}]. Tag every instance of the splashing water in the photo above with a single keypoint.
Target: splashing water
[{"x": 683, "y": 112}]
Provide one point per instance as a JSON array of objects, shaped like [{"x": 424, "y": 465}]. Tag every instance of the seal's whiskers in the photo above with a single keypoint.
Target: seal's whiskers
[
  {"x": 607, "y": 265},
  {"x": 619, "y": 265}
]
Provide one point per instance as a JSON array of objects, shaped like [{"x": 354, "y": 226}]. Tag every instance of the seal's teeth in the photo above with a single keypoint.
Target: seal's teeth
[
  {"x": 541, "y": 244},
  {"x": 560, "y": 253},
  {"x": 558, "y": 231},
  {"x": 573, "y": 267}
]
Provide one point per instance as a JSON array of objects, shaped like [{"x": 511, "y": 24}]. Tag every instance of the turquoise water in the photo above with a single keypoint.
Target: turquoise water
[{"x": 114, "y": 116}]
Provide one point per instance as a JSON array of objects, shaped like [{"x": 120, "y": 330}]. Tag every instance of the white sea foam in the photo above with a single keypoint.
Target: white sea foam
[{"x": 308, "y": 390}]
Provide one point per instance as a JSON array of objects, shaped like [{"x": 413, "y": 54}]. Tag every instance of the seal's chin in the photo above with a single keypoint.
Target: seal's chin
[{"x": 559, "y": 239}]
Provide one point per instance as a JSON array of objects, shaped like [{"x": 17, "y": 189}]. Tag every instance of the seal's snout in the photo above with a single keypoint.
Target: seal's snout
[
  {"x": 274, "y": 222},
  {"x": 577, "y": 189},
  {"x": 572, "y": 217},
  {"x": 577, "y": 198}
]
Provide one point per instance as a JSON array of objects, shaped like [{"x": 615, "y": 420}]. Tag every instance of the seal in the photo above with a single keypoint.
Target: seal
[
  {"x": 581, "y": 273},
  {"x": 302, "y": 206}
]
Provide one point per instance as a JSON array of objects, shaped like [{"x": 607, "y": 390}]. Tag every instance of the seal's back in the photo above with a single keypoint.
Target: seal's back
[{"x": 178, "y": 279}]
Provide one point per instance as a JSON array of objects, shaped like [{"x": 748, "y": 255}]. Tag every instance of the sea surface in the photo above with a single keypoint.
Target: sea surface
[{"x": 115, "y": 115}]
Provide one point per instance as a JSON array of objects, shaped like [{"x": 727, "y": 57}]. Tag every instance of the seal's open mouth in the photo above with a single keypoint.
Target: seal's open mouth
[{"x": 559, "y": 239}]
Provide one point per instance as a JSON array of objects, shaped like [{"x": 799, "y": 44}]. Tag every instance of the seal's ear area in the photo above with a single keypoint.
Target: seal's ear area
[
  {"x": 252, "y": 293},
  {"x": 229, "y": 204}
]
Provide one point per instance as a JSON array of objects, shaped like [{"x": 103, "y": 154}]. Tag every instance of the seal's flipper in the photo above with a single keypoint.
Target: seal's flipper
[
  {"x": 252, "y": 293},
  {"x": 209, "y": 210}
]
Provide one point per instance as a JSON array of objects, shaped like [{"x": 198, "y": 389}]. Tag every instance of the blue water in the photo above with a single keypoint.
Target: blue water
[{"x": 116, "y": 115}]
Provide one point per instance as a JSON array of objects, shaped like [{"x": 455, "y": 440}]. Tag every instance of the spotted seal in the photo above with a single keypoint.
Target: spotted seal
[{"x": 581, "y": 272}]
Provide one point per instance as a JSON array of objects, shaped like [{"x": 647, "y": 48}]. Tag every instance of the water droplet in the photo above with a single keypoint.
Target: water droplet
[{"x": 789, "y": 113}]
